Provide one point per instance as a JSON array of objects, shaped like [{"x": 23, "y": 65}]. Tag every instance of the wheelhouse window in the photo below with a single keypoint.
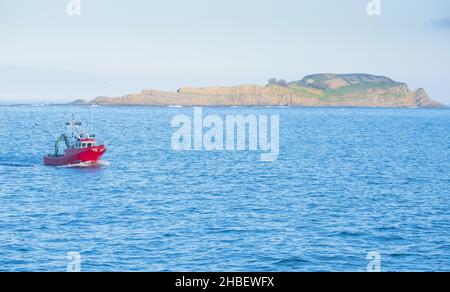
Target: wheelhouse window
[{"x": 85, "y": 144}]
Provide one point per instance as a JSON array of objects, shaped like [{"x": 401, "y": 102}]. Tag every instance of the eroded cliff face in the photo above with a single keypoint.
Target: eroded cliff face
[
  {"x": 353, "y": 90},
  {"x": 423, "y": 100}
]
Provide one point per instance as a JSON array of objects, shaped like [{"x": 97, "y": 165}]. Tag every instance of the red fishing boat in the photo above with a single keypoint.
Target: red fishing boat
[{"x": 80, "y": 148}]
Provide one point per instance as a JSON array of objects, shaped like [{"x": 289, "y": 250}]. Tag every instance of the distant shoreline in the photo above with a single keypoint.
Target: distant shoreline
[
  {"x": 318, "y": 90},
  {"x": 313, "y": 91},
  {"x": 444, "y": 107}
]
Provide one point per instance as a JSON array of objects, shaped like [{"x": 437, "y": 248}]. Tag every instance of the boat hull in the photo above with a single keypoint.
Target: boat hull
[{"x": 76, "y": 156}]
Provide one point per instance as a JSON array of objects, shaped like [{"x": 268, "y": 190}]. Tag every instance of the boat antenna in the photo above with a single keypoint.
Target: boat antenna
[{"x": 92, "y": 122}]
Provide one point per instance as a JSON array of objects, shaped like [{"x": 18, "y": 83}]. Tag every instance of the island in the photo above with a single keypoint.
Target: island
[{"x": 318, "y": 90}]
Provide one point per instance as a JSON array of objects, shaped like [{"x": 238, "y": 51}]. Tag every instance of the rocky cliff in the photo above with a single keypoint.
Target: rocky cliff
[{"x": 353, "y": 90}]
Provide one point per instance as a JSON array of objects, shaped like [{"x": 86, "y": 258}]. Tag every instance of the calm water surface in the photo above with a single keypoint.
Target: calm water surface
[{"x": 347, "y": 182}]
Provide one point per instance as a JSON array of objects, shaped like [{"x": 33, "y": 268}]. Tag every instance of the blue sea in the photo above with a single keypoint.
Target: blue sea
[{"x": 347, "y": 182}]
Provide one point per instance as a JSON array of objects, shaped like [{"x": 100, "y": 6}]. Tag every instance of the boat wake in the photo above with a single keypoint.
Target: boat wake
[{"x": 100, "y": 163}]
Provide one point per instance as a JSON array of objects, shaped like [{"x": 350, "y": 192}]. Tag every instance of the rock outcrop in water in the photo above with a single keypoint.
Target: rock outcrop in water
[
  {"x": 335, "y": 90},
  {"x": 79, "y": 102}
]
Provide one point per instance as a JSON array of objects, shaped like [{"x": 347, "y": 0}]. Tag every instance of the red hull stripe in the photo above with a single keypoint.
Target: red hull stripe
[{"x": 75, "y": 155}]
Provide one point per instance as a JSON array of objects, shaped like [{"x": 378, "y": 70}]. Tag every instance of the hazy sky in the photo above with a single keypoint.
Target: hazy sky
[{"x": 122, "y": 46}]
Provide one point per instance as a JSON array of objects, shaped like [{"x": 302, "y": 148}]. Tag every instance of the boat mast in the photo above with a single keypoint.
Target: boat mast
[{"x": 74, "y": 128}]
